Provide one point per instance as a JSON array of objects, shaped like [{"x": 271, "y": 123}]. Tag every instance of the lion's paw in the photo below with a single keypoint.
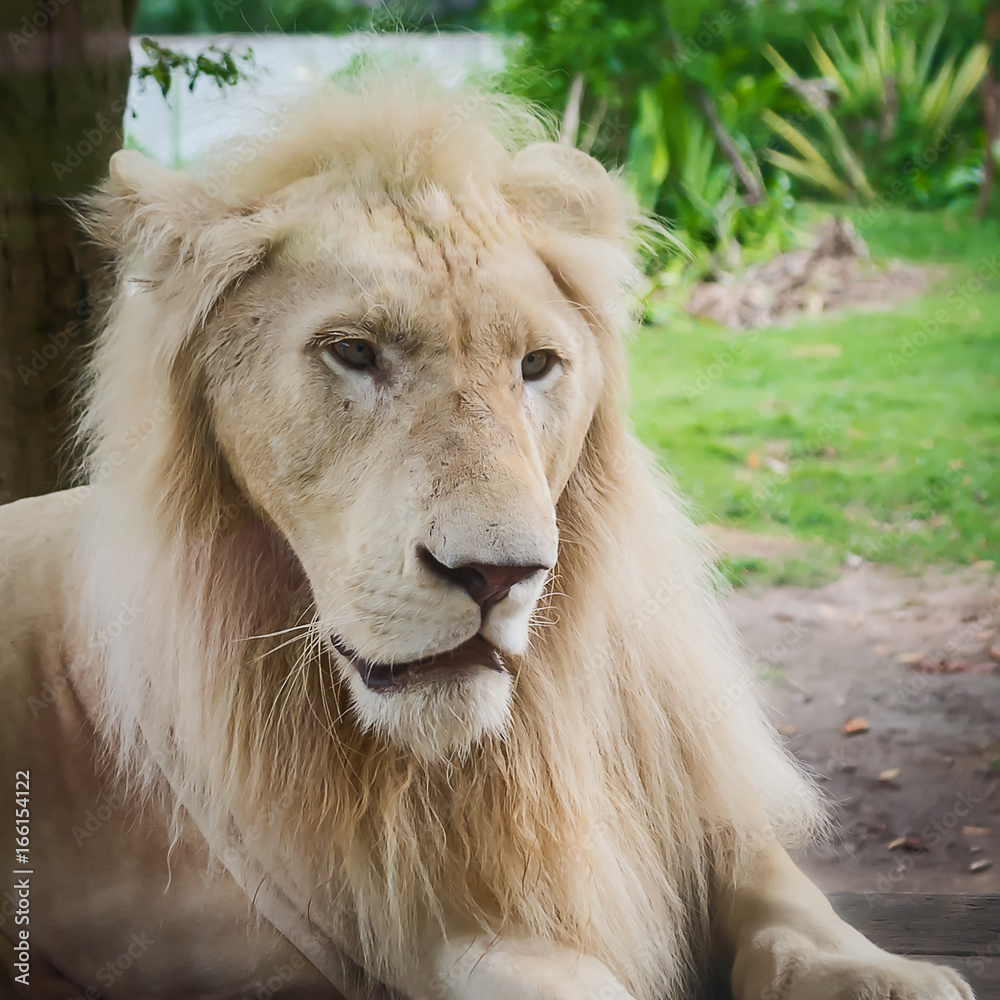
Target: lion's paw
[
  {"x": 808, "y": 973},
  {"x": 516, "y": 970}
]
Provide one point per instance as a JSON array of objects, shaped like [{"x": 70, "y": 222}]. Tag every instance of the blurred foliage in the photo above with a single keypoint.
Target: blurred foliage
[
  {"x": 211, "y": 63},
  {"x": 172, "y": 17},
  {"x": 882, "y": 109},
  {"x": 721, "y": 111},
  {"x": 696, "y": 101}
]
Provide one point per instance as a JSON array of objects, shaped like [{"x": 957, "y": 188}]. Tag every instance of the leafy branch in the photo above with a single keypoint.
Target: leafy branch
[{"x": 220, "y": 65}]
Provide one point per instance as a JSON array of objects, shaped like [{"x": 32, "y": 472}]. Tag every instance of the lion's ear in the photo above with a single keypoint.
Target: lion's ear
[
  {"x": 565, "y": 188},
  {"x": 158, "y": 220},
  {"x": 143, "y": 206}
]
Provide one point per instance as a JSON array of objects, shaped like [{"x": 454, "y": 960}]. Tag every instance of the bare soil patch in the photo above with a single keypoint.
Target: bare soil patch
[
  {"x": 888, "y": 688},
  {"x": 836, "y": 272},
  {"x": 736, "y": 542}
]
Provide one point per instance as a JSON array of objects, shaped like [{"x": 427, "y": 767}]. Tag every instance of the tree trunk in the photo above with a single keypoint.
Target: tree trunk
[
  {"x": 64, "y": 71},
  {"x": 990, "y": 90}
]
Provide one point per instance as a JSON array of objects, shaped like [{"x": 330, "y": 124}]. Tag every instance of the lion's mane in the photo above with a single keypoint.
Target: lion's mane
[{"x": 638, "y": 762}]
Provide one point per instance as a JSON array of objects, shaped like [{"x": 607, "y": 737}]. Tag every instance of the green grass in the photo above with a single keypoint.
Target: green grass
[{"x": 876, "y": 433}]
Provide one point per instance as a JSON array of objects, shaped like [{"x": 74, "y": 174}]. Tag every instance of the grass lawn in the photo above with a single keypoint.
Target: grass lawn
[{"x": 875, "y": 433}]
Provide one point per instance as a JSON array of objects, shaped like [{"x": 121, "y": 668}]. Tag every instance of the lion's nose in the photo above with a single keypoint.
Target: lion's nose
[{"x": 486, "y": 583}]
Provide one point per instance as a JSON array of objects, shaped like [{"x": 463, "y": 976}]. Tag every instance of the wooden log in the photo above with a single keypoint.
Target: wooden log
[
  {"x": 917, "y": 923},
  {"x": 956, "y": 930}
]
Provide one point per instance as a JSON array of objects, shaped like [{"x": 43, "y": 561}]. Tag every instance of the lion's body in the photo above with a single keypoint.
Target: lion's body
[
  {"x": 114, "y": 907},
  {"x": 256, "y": 507}
]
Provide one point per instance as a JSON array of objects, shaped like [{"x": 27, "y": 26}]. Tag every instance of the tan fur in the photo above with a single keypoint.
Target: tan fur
[
  {"x": 633, "y": 777},
  {"x": 595, "y": 819}
]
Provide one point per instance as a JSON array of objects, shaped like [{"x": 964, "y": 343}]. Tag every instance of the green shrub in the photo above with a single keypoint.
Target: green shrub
[{"x": 884, "y": 107}]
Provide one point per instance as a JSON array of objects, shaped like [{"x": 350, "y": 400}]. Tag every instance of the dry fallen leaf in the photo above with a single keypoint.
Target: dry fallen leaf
[
  {"x": 986, "y": 667},
  {"x": 910, "y": 657},
  {"x": 976, "y": 831},
  {"x": 787, "y": 729},
  {"x": 931, "y": 665},
  {"x": 855, "y": 726},
  {"x": 981, "y": 865},
  {"x": 889, "y": 774},
  {"x": 857, "y": 619},
  {"x": 912, "y": 844},
  {"x": 753, "y": 460}
]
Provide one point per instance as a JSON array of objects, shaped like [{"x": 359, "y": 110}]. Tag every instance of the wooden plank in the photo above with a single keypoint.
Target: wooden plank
[
  {"x": 957, "y": 930},
  {"x": 983, "y": 974},
  {"x": 916, "y": 923}
]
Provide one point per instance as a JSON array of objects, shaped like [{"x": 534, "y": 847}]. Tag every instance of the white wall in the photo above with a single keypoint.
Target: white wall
[{"x": 176, "y": 130}]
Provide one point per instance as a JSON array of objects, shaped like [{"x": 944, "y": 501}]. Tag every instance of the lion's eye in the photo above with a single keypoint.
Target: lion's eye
[
  {"x": 536, "y": 365},
  {"x": 354, "y": 353}
]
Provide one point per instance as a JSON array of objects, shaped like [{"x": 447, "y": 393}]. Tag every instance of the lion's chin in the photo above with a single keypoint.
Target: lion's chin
[{"x": 441, "y": 717}]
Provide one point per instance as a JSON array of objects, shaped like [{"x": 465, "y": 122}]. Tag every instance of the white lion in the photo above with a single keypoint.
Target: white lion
[{"x": 375, "y": 650}]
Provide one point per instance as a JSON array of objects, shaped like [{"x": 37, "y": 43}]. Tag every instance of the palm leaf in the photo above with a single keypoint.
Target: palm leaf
[
  {"x": 966, "y": 79},
  {"x": 787, "y": 74},
  {"x": 849, "y": 67},
  {"x": 648, "y": 156},
  {"x": 923, "y": 68},
  {"x": 827, "y": 68},
  {"x": 936, "y": 93},
  {"x": 850, "y": 162},
  {"x": 906, "y": 63},
  {"x": 793, "y": 136},
  {"x": 871, "y": 74},
  {"x": 816, "y": 173}
]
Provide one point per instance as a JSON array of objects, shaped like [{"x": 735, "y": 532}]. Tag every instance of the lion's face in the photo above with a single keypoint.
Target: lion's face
[{"x": 405, "y": 390}]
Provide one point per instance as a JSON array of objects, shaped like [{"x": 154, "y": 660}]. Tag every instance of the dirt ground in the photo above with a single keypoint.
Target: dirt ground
[
  {"x": 833, "y": 271},
  {"x": 888, "y": 688}
]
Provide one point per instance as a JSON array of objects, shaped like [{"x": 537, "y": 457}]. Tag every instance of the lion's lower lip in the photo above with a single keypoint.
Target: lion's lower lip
[{"x": 474, "y": 652}]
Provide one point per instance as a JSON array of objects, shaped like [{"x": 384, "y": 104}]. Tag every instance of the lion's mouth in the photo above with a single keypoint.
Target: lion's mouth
[{"x": 474, "y": 652}]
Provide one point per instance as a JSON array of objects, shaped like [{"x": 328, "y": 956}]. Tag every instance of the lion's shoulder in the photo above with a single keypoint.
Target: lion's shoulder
[{"x": 37, "y": 537}]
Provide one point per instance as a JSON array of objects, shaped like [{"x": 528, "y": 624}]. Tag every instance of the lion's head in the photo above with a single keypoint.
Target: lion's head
[
  {"x": 358, "y": 465},
  {"x": 399, "y": 376}
]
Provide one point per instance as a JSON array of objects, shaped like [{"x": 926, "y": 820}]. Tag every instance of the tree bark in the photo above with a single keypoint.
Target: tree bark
[
  {"x": 990, "y": 91},
  {"x": 64, "y": 71},
  {"x": 753, "y": 184}
]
